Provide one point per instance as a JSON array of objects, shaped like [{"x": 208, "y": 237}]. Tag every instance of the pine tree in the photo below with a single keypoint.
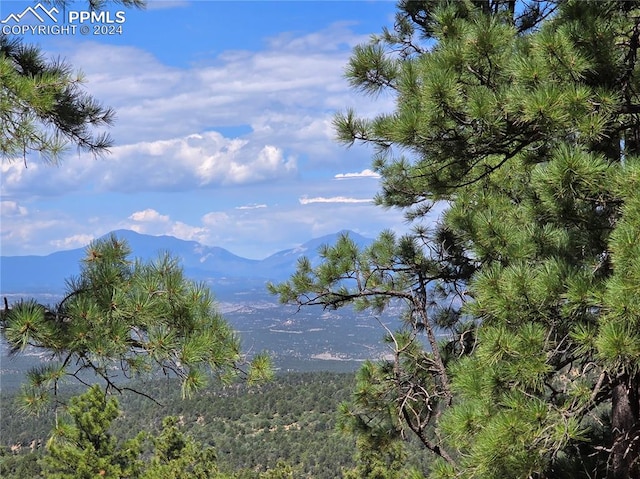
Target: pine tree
[
  {"x": 84, "y": 447},
  {"x": 521, "y": 117},
  {"x": 43, "y": 107},
  {"x": 178, "y": 456},
  {"x": 123, "y": 318}
]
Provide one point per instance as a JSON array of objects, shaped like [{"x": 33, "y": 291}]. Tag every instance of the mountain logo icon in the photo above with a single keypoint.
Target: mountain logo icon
[{"x": 39, "y": 12}]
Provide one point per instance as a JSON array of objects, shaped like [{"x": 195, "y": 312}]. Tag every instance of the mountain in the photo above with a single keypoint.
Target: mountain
[
  {"x": 214, "y": 260},
  {"x": 224, "y": 270},
  {"x": 281, "y": 265},
  {"x": 300, "y": 340}
]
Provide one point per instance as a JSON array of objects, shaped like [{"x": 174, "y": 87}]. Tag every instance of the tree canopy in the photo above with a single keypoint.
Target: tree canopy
[
  {"x": 518, "y": 354},
  {"x": 124, "y": 318},
  {"x": 84, "y": 448}
]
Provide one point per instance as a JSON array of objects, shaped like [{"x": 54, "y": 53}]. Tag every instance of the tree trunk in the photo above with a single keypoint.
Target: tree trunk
[{"x": 625, "y": 422}]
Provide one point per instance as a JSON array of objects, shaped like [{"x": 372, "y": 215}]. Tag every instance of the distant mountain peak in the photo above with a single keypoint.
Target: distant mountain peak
[{"x": 25, "y": 274}]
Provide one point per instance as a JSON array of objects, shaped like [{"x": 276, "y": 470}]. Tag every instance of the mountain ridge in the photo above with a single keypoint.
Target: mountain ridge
[{"x": 214, "y": 264}]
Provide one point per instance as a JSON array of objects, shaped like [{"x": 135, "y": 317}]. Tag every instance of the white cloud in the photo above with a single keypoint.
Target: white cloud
[
  {"x": 167, "y": 117},
  {"x": 215, "y": 219},
  {"x": 12, "y": 208},
  {"x": 149, "y": 216},
  {"x": 363, "y": 174},
  {"x": 32, "y": 232},
  {"x": 151, "y": 222},
  {"x": 294, "y": 75},
  {"x": 177, "y": 164},
  {"x": 334, "y": 199},
  {"x": 256, "y": 233},
  {"x": 72, "y": 242},
  {"x": 40, "y": 180},
  {"x": 188, "y": 232},
  {"x": 174, "y": 133},
  {"x": 251, "y": 207},
  {"x": 232, "y": 165},
  {"x": 253, "y": 232},
  {"x": 333, "y": 38}
]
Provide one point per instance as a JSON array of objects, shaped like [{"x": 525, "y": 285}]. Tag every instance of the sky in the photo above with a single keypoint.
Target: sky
[{"x": 223, "y": 130}]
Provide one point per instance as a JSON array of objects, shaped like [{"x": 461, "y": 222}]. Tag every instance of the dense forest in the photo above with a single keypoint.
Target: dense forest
[{"x": 251, "y": 428}]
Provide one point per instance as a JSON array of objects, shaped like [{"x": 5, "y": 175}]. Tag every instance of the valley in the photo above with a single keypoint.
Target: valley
[{"x": 302, "y": 340}]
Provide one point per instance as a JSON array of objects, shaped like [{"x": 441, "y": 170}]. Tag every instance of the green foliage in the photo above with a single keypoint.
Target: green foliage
[
  {"x": 282, "y": 470},
  {"x": 17, "y": 466},
  {"x": 521, "y": 119},
  {"x": 286, "y": 427},
  {"x": 85, "y": 448},
  {"x": 43, "y": 107},
  {"x": 380, "y": 461},
  {"x": 128, "y": 318},
  {"x": 177, "y": 456}
]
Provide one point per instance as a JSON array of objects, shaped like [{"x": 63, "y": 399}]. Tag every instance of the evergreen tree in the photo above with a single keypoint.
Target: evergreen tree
[
  {"x": 282, "y": 470},
  {"x": 521, "y": 117},
  {"x": 85, "y": 449},
  {"x": 177, "y": 456},
  {"x": 122, "y": 318},
  {"x": 43, "y": 107}
]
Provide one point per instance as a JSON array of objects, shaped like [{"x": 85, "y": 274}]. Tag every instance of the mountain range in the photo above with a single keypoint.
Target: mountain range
[
  {"x": 225, "y": 271},
  {"x": 300, "y": 340}
]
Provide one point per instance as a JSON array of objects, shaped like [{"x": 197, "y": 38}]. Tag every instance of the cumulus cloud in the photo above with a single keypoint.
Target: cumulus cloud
[
  {"x": 151, "y": 222},
  {"x": 231, "y": 165},
  {"x": 188, "y": 232},
  {"x": 149, "y": 216},
  {"x": 174, "y": 133},
  {"x": 334, "y": 199},
  {"x": 177, "y": 164},
  {"x": 167, "y": 117},
  {"x": 363, "y": 174},
  {"x": 12, "y": 208}
]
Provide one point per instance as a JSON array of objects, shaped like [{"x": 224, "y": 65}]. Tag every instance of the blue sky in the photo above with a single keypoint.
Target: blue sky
[{"x": 223, "y": 132}]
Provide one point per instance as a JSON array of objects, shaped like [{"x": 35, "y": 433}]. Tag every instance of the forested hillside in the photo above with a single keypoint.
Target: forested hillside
[{"x": 291, "y": 419}]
